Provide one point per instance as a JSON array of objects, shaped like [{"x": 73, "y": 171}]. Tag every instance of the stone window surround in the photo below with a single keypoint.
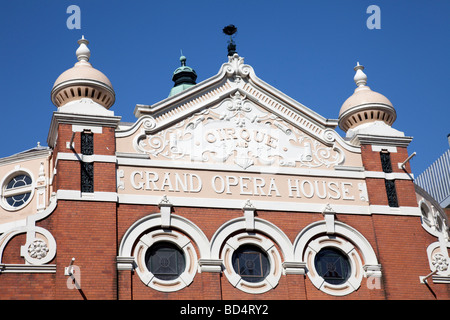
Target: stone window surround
[
  {"x": 174, "y": 237},
  {"x": 286, "y": 257},
  {"x": 266, "y": 245}
]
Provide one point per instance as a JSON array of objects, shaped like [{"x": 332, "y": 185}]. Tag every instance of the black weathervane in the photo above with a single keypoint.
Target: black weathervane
[{"x": 230, "y": 30}]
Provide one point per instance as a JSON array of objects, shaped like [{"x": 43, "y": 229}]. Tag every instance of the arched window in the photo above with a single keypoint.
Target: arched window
[
  {"x": 166, "y": 260},
  {"x": 336, "y": 261},
  {"x": 252, "y": 262}
]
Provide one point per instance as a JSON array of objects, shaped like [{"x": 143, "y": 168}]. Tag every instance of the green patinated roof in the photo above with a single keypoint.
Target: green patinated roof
[
  {"x": 183, "y": 67},
  {"x": 179, "y": 88},
  {"x": 184, "y": 77}
]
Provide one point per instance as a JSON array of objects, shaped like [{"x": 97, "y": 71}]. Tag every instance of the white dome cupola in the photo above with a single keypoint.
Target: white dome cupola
[
  {"x": 364, "y": 105},
  {"x": 83, "y": 81}
]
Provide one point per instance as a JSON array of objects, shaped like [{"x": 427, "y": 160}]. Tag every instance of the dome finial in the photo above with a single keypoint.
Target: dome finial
[
  {"x": 360, "y": 77},
  {"x": 83, "y": 53},
  {"x": 182, "y": 59}
]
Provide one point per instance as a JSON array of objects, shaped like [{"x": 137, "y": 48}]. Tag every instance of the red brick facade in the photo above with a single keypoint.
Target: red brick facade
[
  {"x": 91, "y": 232},
  {"x": 104, "y": 230}
]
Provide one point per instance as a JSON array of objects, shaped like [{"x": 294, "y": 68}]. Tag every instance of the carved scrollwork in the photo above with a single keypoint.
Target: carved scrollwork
[
  {"x": 321, "y": 155},
  {"x": 149, "y": 123},
  {"x": 329, "y": 135},
  {"x": 237, "y": 131},
  {"x": 39, "y": 248},
  {"x": 236, "y": 67}
]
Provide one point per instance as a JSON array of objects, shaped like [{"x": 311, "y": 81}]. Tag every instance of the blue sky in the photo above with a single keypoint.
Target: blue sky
[{"x": 306, "y": 49}]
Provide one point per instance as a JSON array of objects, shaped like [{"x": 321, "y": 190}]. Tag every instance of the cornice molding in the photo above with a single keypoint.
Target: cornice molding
[
  {"x": 360, "y": 139},
  {"x": 25, "y": 156},
  {"x": 78, "y": 119},
  {"x": 26, "y": 268},
  {"x": 260, "y": 205}
]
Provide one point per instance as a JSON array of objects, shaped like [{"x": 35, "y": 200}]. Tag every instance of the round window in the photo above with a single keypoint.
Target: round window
[
  {"x": 17, "y": 190},
  {"x": 332, "y": 265},
  {"x": 165, "y": 260},
  {"x": 251, "y": 263}
]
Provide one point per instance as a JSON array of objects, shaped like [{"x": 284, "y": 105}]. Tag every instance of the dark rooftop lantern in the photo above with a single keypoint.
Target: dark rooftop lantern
[{"x": 230, "y": 30}]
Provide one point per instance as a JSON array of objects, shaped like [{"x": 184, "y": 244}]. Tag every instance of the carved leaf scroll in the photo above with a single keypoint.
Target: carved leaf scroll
[{"x": 237, "y": 132}]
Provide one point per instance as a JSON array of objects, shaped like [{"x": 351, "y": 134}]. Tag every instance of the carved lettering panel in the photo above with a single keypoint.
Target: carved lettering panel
[
  {"x": 239, "y": 185},
  {"x": 237, "y": 132}
]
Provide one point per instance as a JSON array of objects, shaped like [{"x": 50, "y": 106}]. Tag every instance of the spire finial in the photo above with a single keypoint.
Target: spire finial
[
  {"x": 83, "y": 53},
  {"x": 360, "y": 77},
  {"x": 182, "y": 59}
]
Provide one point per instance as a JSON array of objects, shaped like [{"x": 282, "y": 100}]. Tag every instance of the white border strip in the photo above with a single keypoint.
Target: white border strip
[
  {"x": 85, "y": 158},
  {"x": 267, "y": 205},
  {"x": 235, "y": 204},
  {"x": 78, "y": 195},
  {"x": 340, "y": 173},
  {"x": 25, "y": 268}
]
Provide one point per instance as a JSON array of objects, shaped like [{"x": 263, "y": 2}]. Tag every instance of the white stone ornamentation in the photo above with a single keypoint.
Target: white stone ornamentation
[
  {"x": 237, "y": 132},
  {"x": 440, "y": 262},
  {"x": 236, "y": 67},
  {"x": 38, "y": 249}
]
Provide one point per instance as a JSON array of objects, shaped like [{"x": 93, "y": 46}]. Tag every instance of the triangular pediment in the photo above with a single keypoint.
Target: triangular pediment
[
  {"x": 233, "y": 118},
  {"x": 234, "y": 76}
]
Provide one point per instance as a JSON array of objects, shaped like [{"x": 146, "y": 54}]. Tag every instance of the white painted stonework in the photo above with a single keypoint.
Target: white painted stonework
[
  {"x": 234, "y": 142},
  {"x": 232, "y": 138}
]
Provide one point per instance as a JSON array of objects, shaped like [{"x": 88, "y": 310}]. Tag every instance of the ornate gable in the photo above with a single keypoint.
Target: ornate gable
[
  {"x": 236, "y": 119},
  {"x": 232, "y": 139}
]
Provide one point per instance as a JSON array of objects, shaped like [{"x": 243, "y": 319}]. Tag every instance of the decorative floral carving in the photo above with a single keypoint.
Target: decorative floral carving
[
  {"x": 238, "y": 130},
  {"x": 321, "y": 155},
  {"x": 440, "y": 262},
  {"x": 38, "y": 249}
]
